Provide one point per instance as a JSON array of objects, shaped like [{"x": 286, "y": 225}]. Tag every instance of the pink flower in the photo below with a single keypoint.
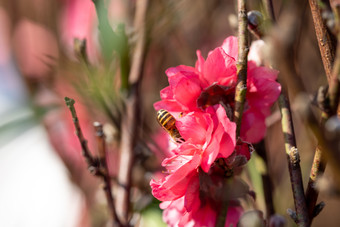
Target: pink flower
[
  {"x": 192, "y": 191},
  {"x": 209, "y": 135},
  {"x": 192, "y": 210},
  {"x": 212, "y": 81},
  {"x": 175, "y": 215}
]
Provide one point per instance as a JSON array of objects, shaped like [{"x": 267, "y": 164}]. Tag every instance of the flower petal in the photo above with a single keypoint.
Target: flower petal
[
  {"x": 212, "y": 150},
  {"x": 166, "y": 93},
  {"x": 194, "y": 126},
  {"x": 230, "y": 46},
  {"x": 191, "y": 198},
  {"x": 186, "y": 90},
  {"x": 170, "y": 105},
  {"x": 264, "y": 73},
  {"x": 200, "y": 61},
  {"x": 256, "y": 52},
  {"x": 173, "y": 186},
  {"x": 219, "y": 66},
  {"x": 253, "y": 127},
  {"x": 263, "y": 90},
  {"x": 181, "y": 68}
]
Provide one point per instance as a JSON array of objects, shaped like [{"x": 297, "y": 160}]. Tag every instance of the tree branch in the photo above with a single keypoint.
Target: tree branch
[
  {"x": 106, "y": 177},
  {"x": 95, "y": 166},
  {"x": 327, "y": 50},
  {"x": 131, "y": 120},
  {"x": 266, "y": 180},
  {"x": 243, "y": 49},
  {"x": 327, "y": 54},
  {"x": 293, "y": 159},
  {"x": 241, "y": 87}
]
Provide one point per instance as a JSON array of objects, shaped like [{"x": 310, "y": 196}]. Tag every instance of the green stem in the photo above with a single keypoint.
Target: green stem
[{"x": 113, "y": 41}]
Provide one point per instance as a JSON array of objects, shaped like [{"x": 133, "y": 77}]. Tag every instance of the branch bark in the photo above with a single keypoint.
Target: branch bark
[
  {"x": 243, "y": 49},
  {"x": 293, "y": 159},
  {"x": 131, "y": 120},
  {"x": 327, "y": 53},
  {"x": 95, "y": 166},
  {"x": 106, "y": 177},
  {"x": 241, "y": 87},
  {"x": 327, "y": 50}
]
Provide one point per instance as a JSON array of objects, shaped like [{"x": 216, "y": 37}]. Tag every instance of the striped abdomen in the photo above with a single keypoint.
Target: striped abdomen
[{"x": 168, "y": 123}]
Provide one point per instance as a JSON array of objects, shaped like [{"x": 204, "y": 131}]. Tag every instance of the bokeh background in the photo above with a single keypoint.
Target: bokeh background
[{"x": 43, "y": 177}]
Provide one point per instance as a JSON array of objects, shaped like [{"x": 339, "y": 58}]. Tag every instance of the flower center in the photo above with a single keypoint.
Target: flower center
[{"x": 218, "y": 94}]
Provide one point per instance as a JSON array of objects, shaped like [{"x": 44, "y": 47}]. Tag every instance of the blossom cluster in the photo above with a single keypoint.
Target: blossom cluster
[{"x": 201, "y": 98}]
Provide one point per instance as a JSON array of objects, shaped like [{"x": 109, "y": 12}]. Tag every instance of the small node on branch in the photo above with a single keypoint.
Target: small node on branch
[
  {"x": 294, "y": 156},
  {"x": 101, "y": 145},
  {"x": 293, "y": 215},
  {"x": 318, "y": 208},
  {"x": 277, "y": 221},
  {"x": 69, "y": 102},
  {"x": 79, "y": 48},
  {"x": 255, "y": 23}
]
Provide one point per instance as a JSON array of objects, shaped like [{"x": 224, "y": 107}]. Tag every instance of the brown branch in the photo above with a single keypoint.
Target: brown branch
[
  {"x": 266, "y": 180},
  {"x": 327, "y": 54},
  {"x": 326, "y": 47},
  {"x": 106, "y": 177},
  {"x": 131, "y": 120},
  {"x": 326, "y": 138},
  {"x": 283, "y": 38},
  {"x": 293, "y": 161},
  {"x": 94, "y": 165},
  {"x": 318, "y": 168},
  {"x": 333, "y": 90},
  {"x": 241, "y": 87},
  {"x": 243, "y": 49}
]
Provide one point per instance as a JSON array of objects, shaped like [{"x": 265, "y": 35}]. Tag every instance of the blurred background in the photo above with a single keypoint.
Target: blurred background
[{"x": 44, "y": 179}]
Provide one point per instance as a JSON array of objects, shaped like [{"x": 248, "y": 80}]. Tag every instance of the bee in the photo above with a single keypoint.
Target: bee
[{"x": 168, "y": 123}]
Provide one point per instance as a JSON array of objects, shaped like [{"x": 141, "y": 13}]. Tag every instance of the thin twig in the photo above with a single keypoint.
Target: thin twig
[
  {"x": 243, "y": 49},
  {"x": 131, "y": 120},
  {"x": 266, "y": 180},
  {"x": 106, "y": 177},
  {"x": 94, "y": 165},
  {"x": 327, "y": 50},
  {"x": 79, "y": 46},
  {"x": 333, "y": 90},
  {"x": 318, "y": 168},
  {"x": 283, "y": 39},
  {"x": 293, "y": 162},
  {"x": 327, "y": 54}
]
